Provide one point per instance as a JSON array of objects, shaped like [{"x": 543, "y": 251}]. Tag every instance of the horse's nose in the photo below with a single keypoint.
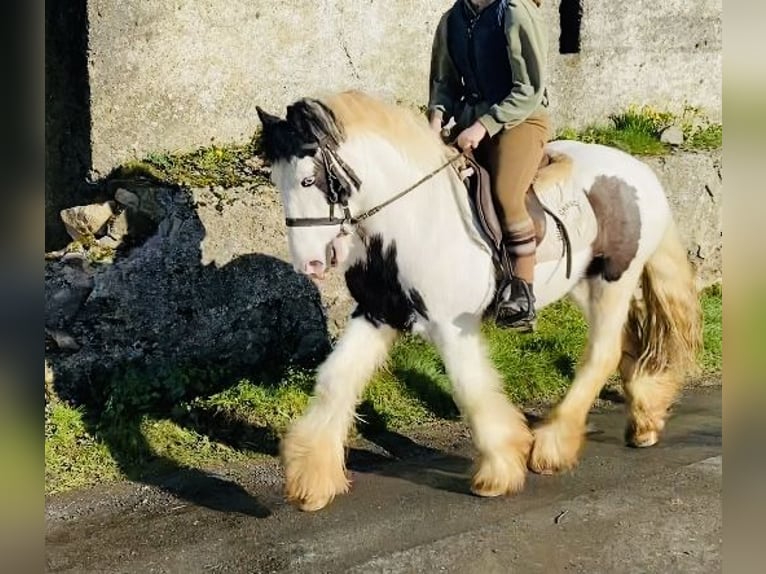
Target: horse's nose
[{"x": 314, "y": 268}]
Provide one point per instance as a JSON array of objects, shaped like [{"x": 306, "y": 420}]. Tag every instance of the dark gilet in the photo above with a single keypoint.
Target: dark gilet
[{"x": 478, "y": 47}]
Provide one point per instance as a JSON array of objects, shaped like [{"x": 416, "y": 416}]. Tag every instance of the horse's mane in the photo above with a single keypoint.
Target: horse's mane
[{"x": 361, "y": 114}]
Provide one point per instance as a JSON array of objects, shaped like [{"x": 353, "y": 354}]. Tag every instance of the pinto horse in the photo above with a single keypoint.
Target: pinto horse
[{"x": 415, "y": 262}]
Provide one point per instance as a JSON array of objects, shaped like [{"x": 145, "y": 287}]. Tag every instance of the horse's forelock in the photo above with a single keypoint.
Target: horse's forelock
[
  {"x": 314, "y": 121},
  {"x": 308, "y": 122}
]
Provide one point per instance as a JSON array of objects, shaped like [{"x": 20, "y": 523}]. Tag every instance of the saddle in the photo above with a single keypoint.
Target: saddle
[{"x": 479, "y": 188}]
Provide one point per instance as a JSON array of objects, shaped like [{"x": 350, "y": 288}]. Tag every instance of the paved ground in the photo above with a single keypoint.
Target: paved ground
[{"x": 622, "y": 510}]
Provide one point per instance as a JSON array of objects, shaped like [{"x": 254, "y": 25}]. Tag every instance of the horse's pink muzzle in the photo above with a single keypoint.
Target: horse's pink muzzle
[
  {"x": 314, "y": 269},
  {"x": 336, "y": 253}
]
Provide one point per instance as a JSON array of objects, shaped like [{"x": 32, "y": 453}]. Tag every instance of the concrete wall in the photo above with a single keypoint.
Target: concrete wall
[
  {"x": 170, "y": 74},
  {"x": 660, "y": 52}
]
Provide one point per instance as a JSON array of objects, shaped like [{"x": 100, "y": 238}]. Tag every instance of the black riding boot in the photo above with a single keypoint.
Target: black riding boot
[{"x": 515, "y": 305}]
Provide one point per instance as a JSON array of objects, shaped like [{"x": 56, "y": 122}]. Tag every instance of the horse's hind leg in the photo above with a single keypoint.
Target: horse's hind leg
[
  {"x": 649, "y": 396},
  {"x": 559, "y": 440},
  {"x": 499, "y": 429},
  {"x": 312, "y": 451},
  {"x": 661, "y": 340}
]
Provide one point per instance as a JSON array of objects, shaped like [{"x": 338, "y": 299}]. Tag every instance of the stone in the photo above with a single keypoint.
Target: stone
[
  {"x": 673, "y": 136},
  {"x": 126, "y": 198},
  {"x": 119, "y": 227},
  {"x": 108, "y": 242},
  {"x": 207, "y": 288},
  {"x": 67, "y": 286},
  {"x": 64, "y": 341},
  {"x": 154, "y": 202},
  {"x": 85, "y": 221}
]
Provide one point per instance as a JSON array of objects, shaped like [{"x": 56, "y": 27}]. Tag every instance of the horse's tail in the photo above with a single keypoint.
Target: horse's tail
[{"x": 666, "y": 325}]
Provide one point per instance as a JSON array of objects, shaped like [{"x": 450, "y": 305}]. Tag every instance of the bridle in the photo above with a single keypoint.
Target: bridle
[{"x": 341, "y": 182}]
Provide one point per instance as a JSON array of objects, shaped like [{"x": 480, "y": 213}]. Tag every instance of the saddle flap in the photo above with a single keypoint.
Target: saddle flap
[{"x": 480, "y": 192}]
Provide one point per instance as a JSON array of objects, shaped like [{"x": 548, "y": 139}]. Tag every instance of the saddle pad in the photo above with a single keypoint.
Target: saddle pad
[
  {"x": 561, "y": 194},
  {"x": 552, "y": 190}
]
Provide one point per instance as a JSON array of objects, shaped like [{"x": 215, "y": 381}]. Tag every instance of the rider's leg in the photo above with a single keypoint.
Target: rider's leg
[{"x": 514, "y": 157}]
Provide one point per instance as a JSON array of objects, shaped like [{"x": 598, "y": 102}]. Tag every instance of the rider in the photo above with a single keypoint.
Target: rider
[{"x": 488, "y": 73}]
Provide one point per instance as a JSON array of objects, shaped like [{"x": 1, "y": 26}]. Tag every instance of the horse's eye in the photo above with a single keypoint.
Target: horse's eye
[{"x": 308, "y": 181}]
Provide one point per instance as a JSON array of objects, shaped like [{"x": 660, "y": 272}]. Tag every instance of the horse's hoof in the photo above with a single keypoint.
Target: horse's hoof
[
  {"x": 314, "y": 470},
  {"x": 317, "y": 495},
  {"x": 556, "y": 448},
  {"x": 500, "y": 475},
  {"x": 642, "y": 439},
  {"x": 644, "y": 430},
  {"x": 310, "y": 503},
  {"x": 495, "y": 488}
]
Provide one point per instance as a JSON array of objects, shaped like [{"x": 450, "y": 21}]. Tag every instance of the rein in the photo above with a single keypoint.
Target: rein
[{"x": 334, "y": 182}]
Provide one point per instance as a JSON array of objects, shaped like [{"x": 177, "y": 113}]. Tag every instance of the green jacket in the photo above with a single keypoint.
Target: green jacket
[{"x": 527, "y": 51}]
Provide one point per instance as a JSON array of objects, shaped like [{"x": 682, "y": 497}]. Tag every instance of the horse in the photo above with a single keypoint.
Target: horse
[{"x": 414, "y": 262}]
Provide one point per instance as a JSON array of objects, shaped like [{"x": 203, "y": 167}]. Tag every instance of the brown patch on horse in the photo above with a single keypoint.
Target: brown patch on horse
[{"x": 619, "y": 226}]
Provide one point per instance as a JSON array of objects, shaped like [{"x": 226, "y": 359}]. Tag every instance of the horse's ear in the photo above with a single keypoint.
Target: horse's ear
[{"x": 267, "y": 119}]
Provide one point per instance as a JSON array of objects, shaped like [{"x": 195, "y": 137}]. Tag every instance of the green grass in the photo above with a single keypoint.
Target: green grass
[
  {"x": 711, "y": 361},
  {"x": 225, "y": 166},
  {"x": 638, "y": 129},
  {"x": 133, "y": 439},
  {"x": 73, "y": 457}
]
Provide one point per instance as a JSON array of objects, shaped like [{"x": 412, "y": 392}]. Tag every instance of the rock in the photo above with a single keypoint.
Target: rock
[
  {"x": 255, "y": 163},
  {"x": 673, "y": 136},
  {"x": 64, "y": 341},
  {"x": 74, "y": 258},
  {"x": 67, "y": 286},
  {"x": 118, "y": 227},
  {"x": 108, "y": 242},
  {"x": 127, "y": 198},
  {"x": 85, "y": 221},
  {"x": 49, "y": 377},
  {"x": 205, "y": 290}
]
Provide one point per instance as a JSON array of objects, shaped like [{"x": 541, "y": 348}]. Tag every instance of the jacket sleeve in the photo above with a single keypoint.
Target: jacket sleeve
[
  {"x": 527, "y": 50},
  {"x": 444, "y": 81}
]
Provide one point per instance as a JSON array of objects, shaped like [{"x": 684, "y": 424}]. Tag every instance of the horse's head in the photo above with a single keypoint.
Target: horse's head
[{"x": 315, "y": 184}]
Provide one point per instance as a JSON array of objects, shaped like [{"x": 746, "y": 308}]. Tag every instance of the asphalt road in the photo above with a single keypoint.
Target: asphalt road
[{"x": 622, "y": 510}]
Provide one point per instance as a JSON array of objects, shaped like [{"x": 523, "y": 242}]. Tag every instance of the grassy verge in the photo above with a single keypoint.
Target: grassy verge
[
  {"x": 711, "y": 360},
  {"x": 229, "y": 165},
  {"x": 243, "y": 421},
  {"x": 638, "y": 131}
]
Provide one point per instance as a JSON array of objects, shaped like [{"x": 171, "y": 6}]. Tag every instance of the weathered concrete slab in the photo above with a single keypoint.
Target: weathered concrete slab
[{"x": 168, "y": 75}]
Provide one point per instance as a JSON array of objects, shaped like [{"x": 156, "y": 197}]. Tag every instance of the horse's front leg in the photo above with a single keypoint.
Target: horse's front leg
[
  {"x": 499, "y": 429},
  {"x": 312, "y": 450}
]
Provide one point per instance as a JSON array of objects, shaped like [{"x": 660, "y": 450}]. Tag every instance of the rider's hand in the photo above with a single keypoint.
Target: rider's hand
[
  {"x": 436, "y": 120},
  {"x": 470, "y": 137}
]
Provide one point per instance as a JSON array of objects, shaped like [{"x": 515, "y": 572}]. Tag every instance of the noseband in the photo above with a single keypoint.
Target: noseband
[{"x": 341, "y": 182}]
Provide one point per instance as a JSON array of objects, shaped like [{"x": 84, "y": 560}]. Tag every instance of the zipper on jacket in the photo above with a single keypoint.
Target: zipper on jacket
[{"x": 472, "y": 56}]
